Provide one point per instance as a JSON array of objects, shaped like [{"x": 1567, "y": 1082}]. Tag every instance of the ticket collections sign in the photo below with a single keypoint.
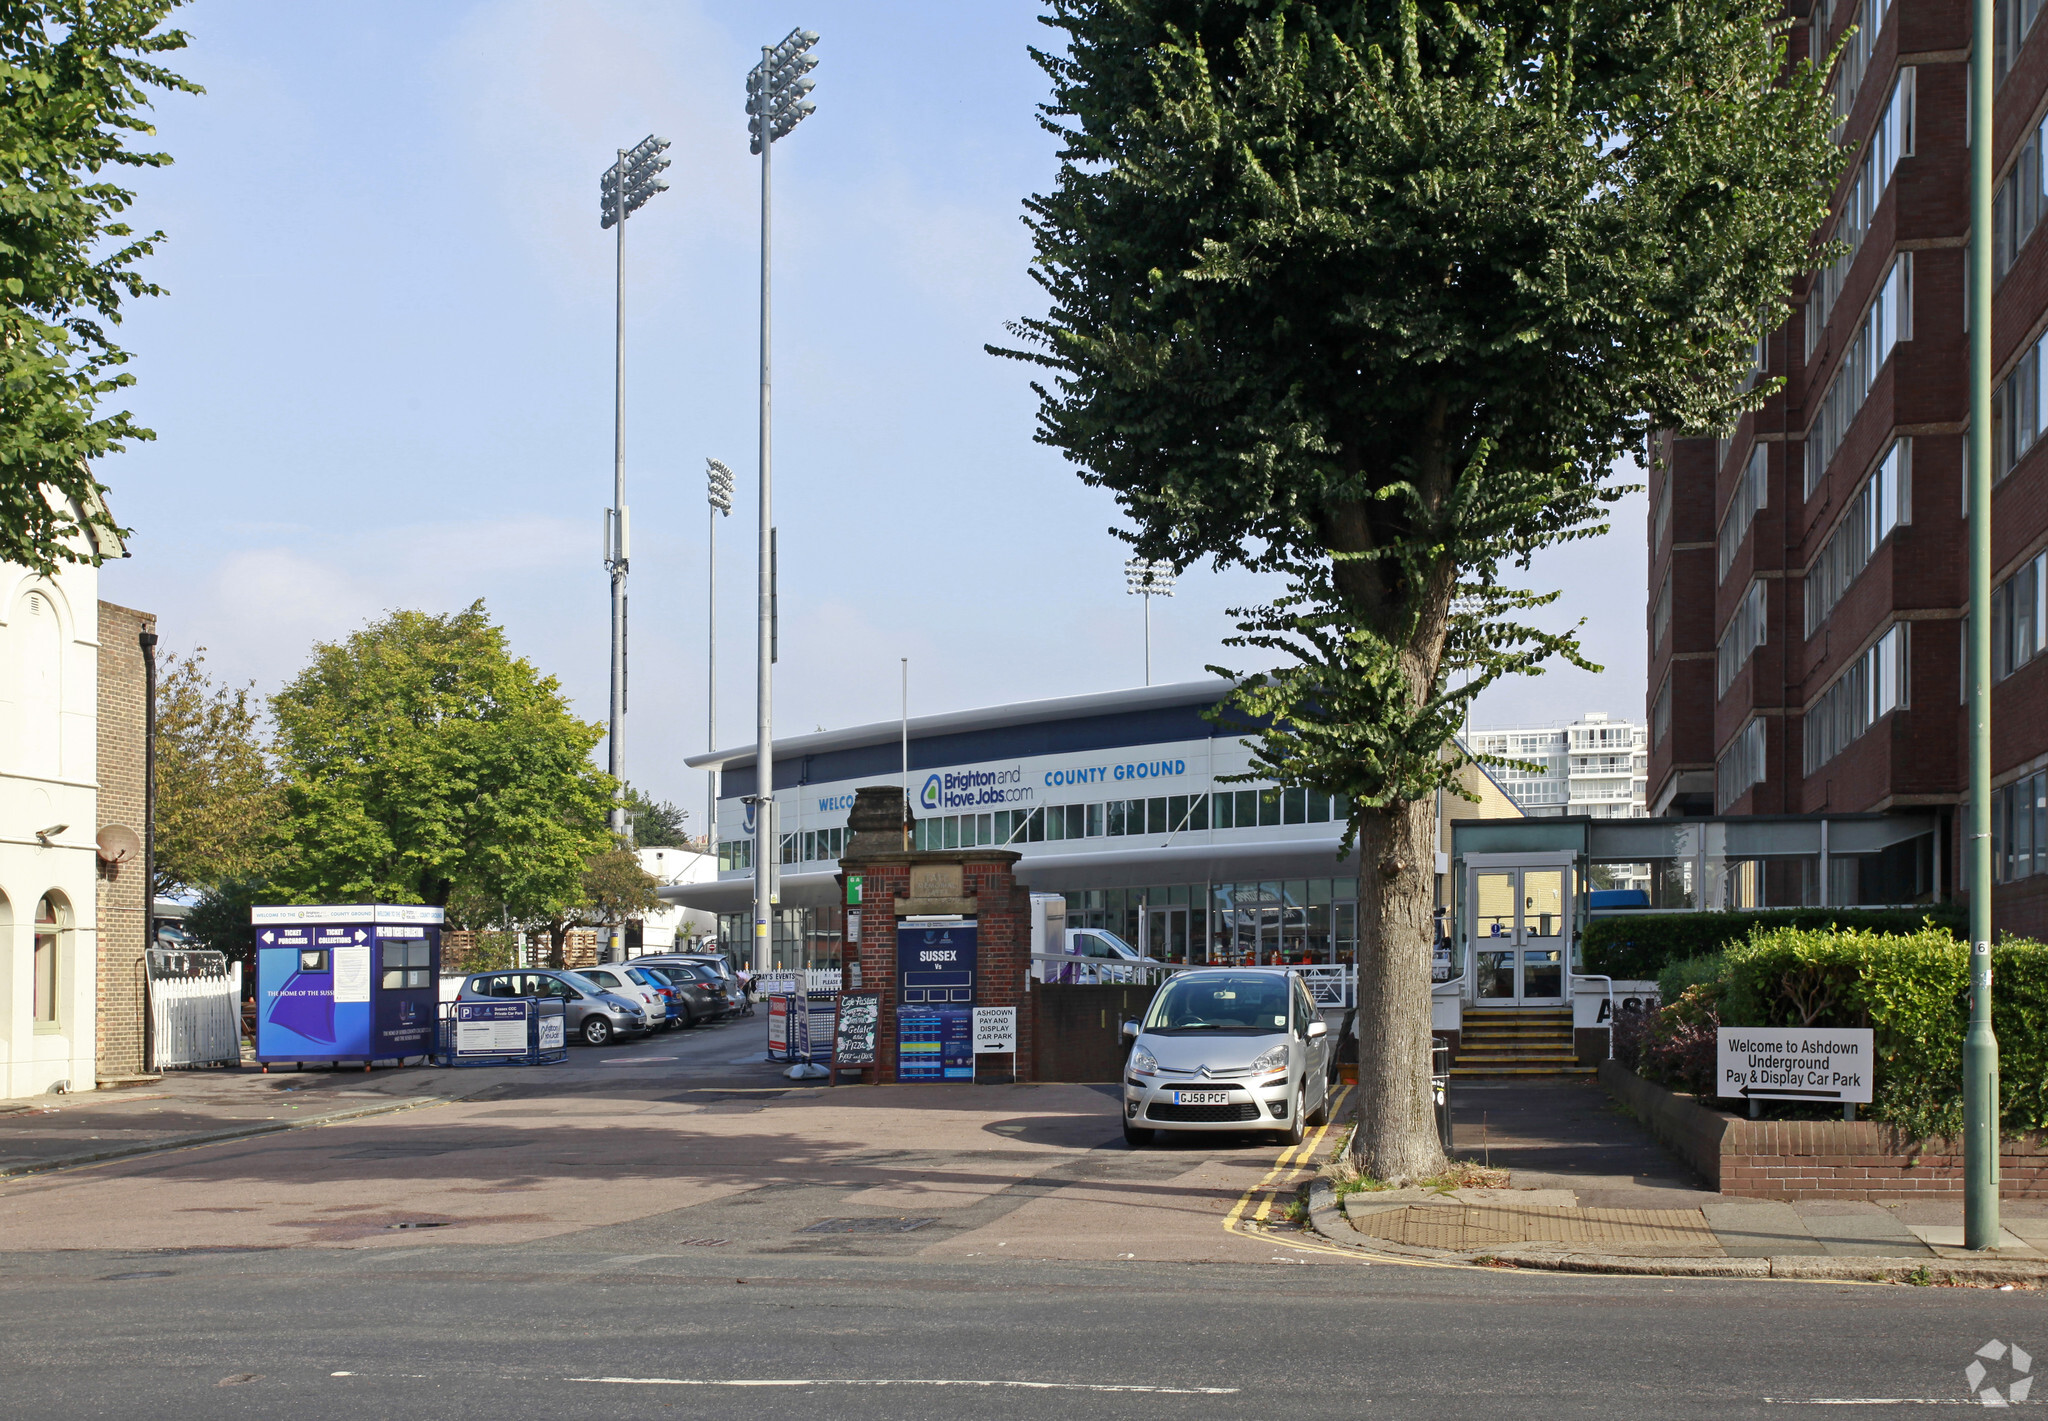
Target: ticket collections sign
[{"x": 1812, "y": 1063}]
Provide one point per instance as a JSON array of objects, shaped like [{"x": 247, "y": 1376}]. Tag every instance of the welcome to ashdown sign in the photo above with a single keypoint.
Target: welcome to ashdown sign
[{"x": 1812, "y": 1063}]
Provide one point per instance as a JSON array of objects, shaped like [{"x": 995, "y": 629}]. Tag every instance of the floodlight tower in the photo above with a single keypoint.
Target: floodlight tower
[
  {"x": 1147, "y": 579},
  {"x": 717, "y": 493},
  {"x": 776, "y": 103},
  {"x": 623, "y": 190}
]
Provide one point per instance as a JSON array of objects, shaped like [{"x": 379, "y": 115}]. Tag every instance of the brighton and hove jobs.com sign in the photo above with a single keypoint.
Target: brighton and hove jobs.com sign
[{"x": 1814, "y": 1063}]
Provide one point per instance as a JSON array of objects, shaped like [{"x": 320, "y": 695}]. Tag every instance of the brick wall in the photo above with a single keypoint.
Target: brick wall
[
  {"x": 1816, "y": 1159},
  {"x": 1002, "y": 938},
  {"x": 123, "y": 897}
]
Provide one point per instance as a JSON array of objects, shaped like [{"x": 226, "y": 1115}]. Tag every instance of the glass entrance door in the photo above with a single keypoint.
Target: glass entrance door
[
  {"x": 1166, "y": 934},
  {"x": 1521, "y": 924}
]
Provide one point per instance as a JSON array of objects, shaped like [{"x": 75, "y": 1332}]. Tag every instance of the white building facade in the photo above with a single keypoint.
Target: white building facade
[
  {"x": 49, "y": 689},
  {"x": 1596, "y": 766}
]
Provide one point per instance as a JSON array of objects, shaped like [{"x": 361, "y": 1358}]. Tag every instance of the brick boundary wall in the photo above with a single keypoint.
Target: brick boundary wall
[
  {"x": 1002, "y": 938},
  {"x": 1816, "y": 1159},
  {"x": 122, "y": 906}
]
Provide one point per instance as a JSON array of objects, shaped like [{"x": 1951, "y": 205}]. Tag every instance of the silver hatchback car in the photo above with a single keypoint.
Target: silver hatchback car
[{"x": 1228, "y": 1048}]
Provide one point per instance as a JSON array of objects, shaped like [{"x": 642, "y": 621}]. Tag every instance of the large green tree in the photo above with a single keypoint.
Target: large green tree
[
  {"x": 217, "y": 802},
  {"x": 420, "y": 756},
  {"x": 1371, "y": 295},
  {"x": 74, "y": 78}
]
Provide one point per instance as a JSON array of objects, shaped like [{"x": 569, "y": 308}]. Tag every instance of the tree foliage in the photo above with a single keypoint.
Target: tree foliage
[
  {"x": 76, "y": 74},
  {"x": 217, "y": 802},
  {"x": 421, "y": 757},
  {"x": 1371, "y": 295},
  {"x": 656, "y": 825}
]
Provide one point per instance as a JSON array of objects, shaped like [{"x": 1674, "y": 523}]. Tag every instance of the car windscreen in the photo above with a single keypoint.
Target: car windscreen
[{"x": 1220, "y": 1004}]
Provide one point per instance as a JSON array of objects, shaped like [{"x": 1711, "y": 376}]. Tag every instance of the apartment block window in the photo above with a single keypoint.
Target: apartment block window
[
  {"x": 1660, "y": 713},
  {"x": 49, "y": 934},
  {"x": 1892, "y": 140},
  {"x": 1749, "y": 497},
  {"x": 2012, "y": 21},
  {"x": 1741, "y": 766},
  {"x": 1888, "y": 321},
  {"x": 1869, "y": 688},
  {"x": 2016, "y": 207},
  {"x": 2016, "y": 413},
  {"x": 2019, "y": 618},
  {"x": 1859, "y": 45},
  {"x": 1660, "y": 615},
  {"x": 1661, "y": 528},
  {"x": 1882, "y": 504},
  {"x": 2019, "y": 828},
  {"x": 1744, "y": 635}
]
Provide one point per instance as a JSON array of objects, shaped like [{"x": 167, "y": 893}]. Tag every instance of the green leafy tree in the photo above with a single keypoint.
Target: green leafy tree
[
  {"x": 420, "y": 756},
  {"x": 1371, "y": 295},
  {"x": 220, "y": 920},
  {"x": 656, "y": 825},
  {"x": 613, "y": 888},
  {"x": 217, "y": 802},
  {"x": 75, "y": 75}
]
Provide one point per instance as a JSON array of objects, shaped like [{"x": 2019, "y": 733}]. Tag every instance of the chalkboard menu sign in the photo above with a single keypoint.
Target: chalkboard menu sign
[{"x": 853, "y": 1029}]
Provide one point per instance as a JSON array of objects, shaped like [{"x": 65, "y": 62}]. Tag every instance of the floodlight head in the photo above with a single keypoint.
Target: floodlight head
[
  {"x": 776, "y": 88},
  {"x": 719, "y": 486},
  {"x": 1143, "y": 577},
  {"x": 638, "y": 170}
]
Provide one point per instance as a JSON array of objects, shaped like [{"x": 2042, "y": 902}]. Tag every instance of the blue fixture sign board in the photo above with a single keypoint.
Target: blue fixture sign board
[
  {"x": 346, "y": 982},
  {"x": 935, "y": 967}
]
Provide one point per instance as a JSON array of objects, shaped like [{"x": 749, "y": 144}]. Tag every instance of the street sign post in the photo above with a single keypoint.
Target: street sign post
[
  {"x": 1816, "y": 1064},
  {"x": 995, "y": 1034}
]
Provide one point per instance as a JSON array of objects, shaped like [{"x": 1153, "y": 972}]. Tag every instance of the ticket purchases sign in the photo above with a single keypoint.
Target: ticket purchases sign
[{"x": 1796, "y": 1063}]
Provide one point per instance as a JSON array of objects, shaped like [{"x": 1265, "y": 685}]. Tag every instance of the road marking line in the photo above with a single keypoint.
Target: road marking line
[{"x": 910, "y": 1381}]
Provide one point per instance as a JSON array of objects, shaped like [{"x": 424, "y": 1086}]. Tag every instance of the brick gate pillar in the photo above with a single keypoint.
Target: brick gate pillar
[{"x": 897, "y": 883}]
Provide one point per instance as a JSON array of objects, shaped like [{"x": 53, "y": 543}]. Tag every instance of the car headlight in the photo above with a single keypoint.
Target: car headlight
[
  {"x": 1273, "y": 1060},
  {"x": 1143, "y": 1062}
]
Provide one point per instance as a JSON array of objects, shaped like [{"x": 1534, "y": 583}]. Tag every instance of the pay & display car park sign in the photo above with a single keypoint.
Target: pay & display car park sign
[{"x": 1814, "y": 1063}]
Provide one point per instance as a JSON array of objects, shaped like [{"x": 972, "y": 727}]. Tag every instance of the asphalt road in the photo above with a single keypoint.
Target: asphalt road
[{"x": 655, "y": 1317}]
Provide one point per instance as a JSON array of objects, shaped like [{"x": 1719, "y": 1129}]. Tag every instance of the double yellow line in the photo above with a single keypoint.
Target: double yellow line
[{"x": 1289, "y": 1161}]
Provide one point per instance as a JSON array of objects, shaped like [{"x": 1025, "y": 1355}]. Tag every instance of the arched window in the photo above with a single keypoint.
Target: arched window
[{"x": 49, "y": 930}]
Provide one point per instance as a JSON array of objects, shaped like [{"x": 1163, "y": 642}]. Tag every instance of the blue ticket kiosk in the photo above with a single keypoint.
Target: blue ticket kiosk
[{"x": 356, "y": 982}]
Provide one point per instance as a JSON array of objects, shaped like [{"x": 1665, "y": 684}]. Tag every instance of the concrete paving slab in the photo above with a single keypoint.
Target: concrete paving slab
[
  {"x": 1946, "y": 1240},
  {"x": 1759, "y": 1228},
  {"x": 1567, "y": 1133},
  {"x": 1867, "y": 1232}
]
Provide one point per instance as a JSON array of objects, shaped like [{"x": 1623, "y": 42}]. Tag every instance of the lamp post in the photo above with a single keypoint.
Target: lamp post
[
  {"x": 1980, "y": 1047},
  {"x": 717, "y": 493},
  {"x": 1148, "y": 579},
  {"x": 622, "y": 190},
  {"x": 776, "y": 104}
]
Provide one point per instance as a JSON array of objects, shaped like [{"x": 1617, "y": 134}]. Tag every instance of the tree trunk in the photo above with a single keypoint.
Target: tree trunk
[{"x": 1396, "y": 1138}]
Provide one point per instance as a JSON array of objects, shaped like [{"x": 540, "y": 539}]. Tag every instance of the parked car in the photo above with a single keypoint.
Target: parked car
[
  {"x": 1237, "y": 1048},
  {"x": 593, "y": 1015},
  {"x": 1098, "y": 956},
  {"x": 715, "y": 963},
  {"x": 698, "y": 994},
  {"x": 635, "y": 983}
]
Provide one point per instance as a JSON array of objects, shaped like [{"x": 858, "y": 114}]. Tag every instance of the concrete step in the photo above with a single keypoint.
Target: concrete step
[{"x": 1469, "y": 1072}]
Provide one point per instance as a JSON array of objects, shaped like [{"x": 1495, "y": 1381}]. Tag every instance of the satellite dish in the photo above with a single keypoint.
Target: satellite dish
[{"x": 118, "y": 842}]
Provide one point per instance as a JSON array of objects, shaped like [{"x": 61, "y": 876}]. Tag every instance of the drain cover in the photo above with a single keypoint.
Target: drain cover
[{"x": 897, "y": 1225}]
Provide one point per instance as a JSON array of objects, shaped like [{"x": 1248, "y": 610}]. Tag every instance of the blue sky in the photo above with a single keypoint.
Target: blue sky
[{"x": 383, "y": 375}]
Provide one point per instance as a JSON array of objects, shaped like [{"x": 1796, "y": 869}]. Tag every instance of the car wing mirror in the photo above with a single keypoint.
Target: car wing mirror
[
  {"x": 1318, "y": 1028},
  {"x": 1130, "y": 1032}
]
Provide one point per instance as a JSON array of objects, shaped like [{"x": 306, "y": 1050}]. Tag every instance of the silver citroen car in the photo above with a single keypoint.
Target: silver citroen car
[{"x": 1228, "y": 1048}]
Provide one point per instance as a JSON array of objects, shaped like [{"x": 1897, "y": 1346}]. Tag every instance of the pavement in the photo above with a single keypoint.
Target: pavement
[
  {"x": 672, "y": 1228},
  {"x": 1590, "y": 1190}
]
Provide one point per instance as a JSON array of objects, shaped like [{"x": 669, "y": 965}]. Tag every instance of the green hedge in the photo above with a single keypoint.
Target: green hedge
[
  {"x": 1911, "y": 990},
  {"x": 1638, "y": 948}
]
